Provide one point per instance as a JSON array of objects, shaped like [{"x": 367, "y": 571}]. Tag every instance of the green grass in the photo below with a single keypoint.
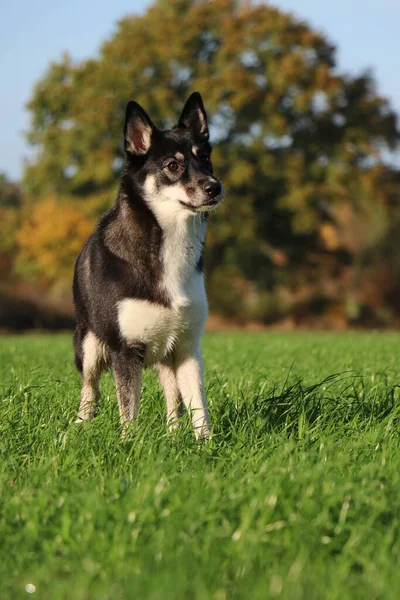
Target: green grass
[{"x": 297, "y": 495}]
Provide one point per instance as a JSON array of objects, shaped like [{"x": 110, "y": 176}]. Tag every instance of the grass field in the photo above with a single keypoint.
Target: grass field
[{"x": 297, "y": 495}]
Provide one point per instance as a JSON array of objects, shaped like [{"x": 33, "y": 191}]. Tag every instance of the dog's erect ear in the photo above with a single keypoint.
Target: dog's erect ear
[
  {"x": 138, "y": 130},
  {"x": 194, "y": 116}
]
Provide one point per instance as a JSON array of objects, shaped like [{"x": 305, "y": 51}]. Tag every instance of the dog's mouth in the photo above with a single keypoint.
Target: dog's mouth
[{"x": 202, "y": 207}]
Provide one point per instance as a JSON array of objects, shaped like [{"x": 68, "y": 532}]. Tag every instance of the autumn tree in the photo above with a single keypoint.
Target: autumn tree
[
  {"x": 10, "y": 202},
  {"x": 49, "y": 240},
  {"x": 297, "y": 145}
]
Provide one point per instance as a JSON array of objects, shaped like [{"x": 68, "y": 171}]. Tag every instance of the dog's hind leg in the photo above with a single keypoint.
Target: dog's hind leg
[
  {"x": 92, "y": 363},
  {"x": 169, "y": 384},
  {"x": 127, "y": 368}
]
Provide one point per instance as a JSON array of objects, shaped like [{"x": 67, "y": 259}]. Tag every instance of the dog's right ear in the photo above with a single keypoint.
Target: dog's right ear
[
  {"x": 194, "y": 116},
  {"x": 138, "y": 130}
]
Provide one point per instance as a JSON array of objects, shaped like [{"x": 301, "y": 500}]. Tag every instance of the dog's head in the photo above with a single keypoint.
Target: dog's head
[{"x": 173, "y": 167}]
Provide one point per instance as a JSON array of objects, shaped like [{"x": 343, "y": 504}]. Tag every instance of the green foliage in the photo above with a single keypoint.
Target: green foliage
[
  {"x": 10, "y": 193},
  {"x": 296, "y": 143},
  {"x": 295, "y": 497},
  {"x": 10, "y": 203}
]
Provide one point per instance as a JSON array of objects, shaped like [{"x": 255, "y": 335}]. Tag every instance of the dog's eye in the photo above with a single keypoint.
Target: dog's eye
[{"x": 173, "y": 166}]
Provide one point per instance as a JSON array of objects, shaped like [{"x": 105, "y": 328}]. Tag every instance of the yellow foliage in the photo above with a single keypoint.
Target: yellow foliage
[{"x": 50, "y": 239}]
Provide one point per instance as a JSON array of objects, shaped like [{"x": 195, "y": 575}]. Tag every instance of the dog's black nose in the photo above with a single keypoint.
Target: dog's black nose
[{"x": 212, "y": 188}]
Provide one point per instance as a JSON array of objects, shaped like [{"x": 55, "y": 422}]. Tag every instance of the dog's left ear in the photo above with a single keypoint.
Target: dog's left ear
[{"x": 194, "y": 116}]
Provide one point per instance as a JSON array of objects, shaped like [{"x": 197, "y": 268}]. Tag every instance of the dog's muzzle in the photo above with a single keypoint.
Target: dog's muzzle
[{"x": 214, "y": 193}]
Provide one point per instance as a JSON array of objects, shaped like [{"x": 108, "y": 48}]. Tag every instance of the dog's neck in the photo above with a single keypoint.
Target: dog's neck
[
  {"x": 181, "y": 250},
  {"x": 178, "y": 234}
]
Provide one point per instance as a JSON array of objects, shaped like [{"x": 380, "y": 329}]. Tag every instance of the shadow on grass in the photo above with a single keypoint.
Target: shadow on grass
[{"x": 344, "y": 401}]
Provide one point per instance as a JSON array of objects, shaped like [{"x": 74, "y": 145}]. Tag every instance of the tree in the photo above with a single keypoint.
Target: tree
[
  {"x": 10, "y": 193},
  {"x": 50, "y": 240},
  {"x": 10, "y": 202},
  {"x": 295, "y": 142}
]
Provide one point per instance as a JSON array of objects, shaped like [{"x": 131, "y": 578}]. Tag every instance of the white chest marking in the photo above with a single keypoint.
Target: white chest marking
[
  {"x": 158, "y": 327},
  {"x": 183, "y": 239},
  {"x": 161, "y": 328},
  {"x": 151, "y": 324},
  {"x": 182, "y": 247}
]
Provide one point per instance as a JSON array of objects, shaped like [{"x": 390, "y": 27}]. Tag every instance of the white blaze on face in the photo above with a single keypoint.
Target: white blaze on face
[{"x": 165, "y": 202}]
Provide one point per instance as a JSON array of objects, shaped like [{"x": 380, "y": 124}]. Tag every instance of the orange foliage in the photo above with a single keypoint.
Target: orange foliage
[{"x": 51, "y": 237}]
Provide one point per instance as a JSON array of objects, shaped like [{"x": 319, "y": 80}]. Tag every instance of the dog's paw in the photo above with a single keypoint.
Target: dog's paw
[
  {"x": 202, "y": 434},
  {"x": 82, "y": 420},
  {"x": 173, "y": 426}
]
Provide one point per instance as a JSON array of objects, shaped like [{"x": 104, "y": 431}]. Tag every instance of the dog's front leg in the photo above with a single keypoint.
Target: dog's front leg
[
  {"x": 169, "y": 384},
  {"x": 190, "y": 377},
  {"x": 127, "y": 368}
]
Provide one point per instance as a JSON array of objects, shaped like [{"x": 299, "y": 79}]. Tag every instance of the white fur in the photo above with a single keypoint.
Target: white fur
[
  {"x": 161, "y": 328},
  {"x": 184, "y": 235},
  {"x": 190, "y": 379},
  {"x": 169, "y": 384},
  {"x": 182, "y": 247},
  {"x": 94, "y": 353},
  {"x": 166, "y": 200},
  {"x": 151, "y": 324},
  {"x": 175, "y": 331}
]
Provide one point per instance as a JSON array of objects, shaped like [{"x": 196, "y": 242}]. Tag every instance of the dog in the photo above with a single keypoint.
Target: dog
[{"x": 138, "y": 285}]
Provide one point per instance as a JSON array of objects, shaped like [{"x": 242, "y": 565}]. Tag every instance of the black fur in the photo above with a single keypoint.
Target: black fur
[{"x": 122, "y": 257}]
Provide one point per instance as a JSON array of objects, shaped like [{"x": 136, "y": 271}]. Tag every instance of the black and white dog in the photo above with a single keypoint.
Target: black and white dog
[{"x": 138, "y": 285}]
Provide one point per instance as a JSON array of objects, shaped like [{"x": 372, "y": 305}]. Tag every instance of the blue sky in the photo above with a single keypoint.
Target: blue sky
[{"x": 34, "y": 33}]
